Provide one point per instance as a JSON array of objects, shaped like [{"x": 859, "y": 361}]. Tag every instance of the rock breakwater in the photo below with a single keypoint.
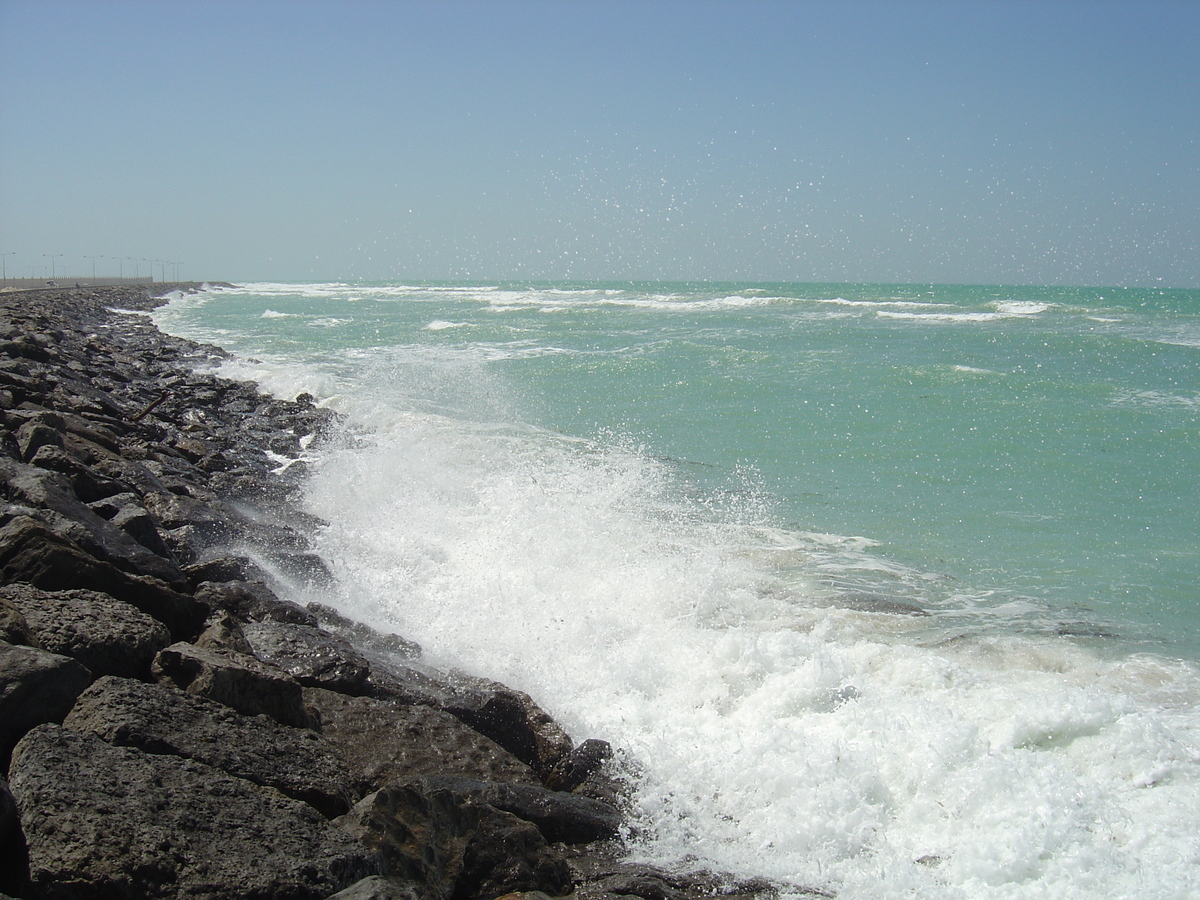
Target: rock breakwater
[{"x": 173, "y": 724}]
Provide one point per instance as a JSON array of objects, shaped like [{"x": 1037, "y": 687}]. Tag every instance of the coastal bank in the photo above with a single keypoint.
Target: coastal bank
[{"x": 174, "y": 723}]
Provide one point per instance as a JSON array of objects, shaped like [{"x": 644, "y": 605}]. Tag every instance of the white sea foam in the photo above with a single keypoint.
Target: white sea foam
[
  {"x": 773, "y": 723},
  {"x": 774, "y": 733}
]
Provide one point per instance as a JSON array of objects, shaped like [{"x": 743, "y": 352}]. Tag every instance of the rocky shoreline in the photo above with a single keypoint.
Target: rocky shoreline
[{"x": 172, "y": 724}]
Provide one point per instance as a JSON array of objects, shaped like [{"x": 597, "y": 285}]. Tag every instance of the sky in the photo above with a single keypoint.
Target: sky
[{"x": 1013, "y": 142}]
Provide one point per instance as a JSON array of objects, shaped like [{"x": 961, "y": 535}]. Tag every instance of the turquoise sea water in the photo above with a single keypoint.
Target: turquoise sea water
[{"x": 886, "y": 588}]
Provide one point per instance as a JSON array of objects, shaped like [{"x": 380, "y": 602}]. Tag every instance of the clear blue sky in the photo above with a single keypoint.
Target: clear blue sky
[{"x": 974, "y": 141}]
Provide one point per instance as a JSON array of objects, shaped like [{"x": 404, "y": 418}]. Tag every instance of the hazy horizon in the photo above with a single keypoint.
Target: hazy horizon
[{"x": 1050, "y": 143}]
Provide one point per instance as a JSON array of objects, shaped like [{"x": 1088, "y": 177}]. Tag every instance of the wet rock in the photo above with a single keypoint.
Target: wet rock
[
  {"x": 453, "y": 846},
  {"x": 107, "y": 636},
  {"x": 313, "y": 657},
  {"x": 512, "y": 720},
  {"x": 35, "y": 687},
  {"x": 252, "y": 602},
  {"x": 389, "y": 742},
  {"x": 160, "y": 719},
  {"x": 102, "y": 821},
  {"x": 577, "y": 766},
  {"x": 226, "y": 568},
  {"x": 559, "y": 816},
  {"x": 240, "y": 682}
]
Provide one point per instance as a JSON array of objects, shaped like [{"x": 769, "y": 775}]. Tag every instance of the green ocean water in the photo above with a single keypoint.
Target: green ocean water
[
  {"x": 1030, "y": 446},
  {"x": 886, "y": 590}
]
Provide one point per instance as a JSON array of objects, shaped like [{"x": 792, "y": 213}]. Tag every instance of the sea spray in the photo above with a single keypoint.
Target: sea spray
[{"x": 792, "y": 703}]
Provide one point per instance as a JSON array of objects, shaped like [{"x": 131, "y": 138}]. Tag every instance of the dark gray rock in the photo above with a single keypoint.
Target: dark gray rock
[
  {"x": 512, "y": 720},
  {"x": 106, "y": 635},
  {"x": 252, "y": 602},
  {"x": 386, "y": 742},
  {"x": 315, "y": 658},
  {"x": 240, "y": 682},
  {"x": 13, "y": 627},
  {"x": 381, "y": 887},
  {"x": 160, "y": 719},
  {"x": 9, "y": 823},
  {"x": 104, "y": 822},
  {"x": 32, "y": 553},
  {"x": 52, "y": 495},
  {"x": 453, "y": 846},
  {"x": 35, "y": 687},
  {"x": 577, "y": 766},
  {"x": 559, "y": 816}
]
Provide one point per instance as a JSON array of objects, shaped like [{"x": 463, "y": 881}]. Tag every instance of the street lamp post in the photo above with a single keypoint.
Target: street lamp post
[
  {"x": 93, "y": 259},
  {"x": 52, "y": 256},
  {"x": 4, "y": 265}
]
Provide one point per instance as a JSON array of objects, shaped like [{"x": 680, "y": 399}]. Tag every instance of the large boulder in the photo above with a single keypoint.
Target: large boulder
[
  {"x": 103, "y": 822},
  {"x": 240, "y": 682},
  {"x": 314, "y": 657},
  {"x": 32, "y": 553},
  {"x": 457, "y": 848},
  {"x": 51, "y": 494},
  {"x": 390, "y": 742},
  {"x": 160, "y": 719},
  {"x": 560, "y": 816},
  {"x": 106, "y": 635},
  {"x": 35, "y": 687}
]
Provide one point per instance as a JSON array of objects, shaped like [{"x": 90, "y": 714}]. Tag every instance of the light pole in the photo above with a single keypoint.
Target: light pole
[
  {"x": 52, "y": 256},
  {"x": 93, "y": 259},
  {"x": 4, "y": 265}
]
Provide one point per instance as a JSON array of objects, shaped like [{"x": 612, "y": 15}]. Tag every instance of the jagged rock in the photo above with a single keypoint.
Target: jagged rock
[
  {"x": 313, "y": 657},
  {"x": 363, "y": 635},
  {"x": 32, "y": 553},
  {"x": 51, "y": 494},
  {"x": 241, "y": 682},
  {"x": 106, "y": 635},
  {"x": 512, "y": 720},
  {"x": 389, "y": 742},
  {"x": 102, "y": 821},
  {"x": 252, "y": 602},
  {"x": 13, "y": 627},
  {"x": 226, "y": 568},
  {"x": 575, "y": 768},
  {"x": 161, "y": 719},
  {"x": 455, "y": 847},
  {"x": 35, "y": 687},
  {"x": 35, "y": 434},
  {"x": 223, "y": 632},
  {"x": 380, "y": 887},
  {"x": 9, "y": 823},
  {"x": 560, "y": 816}
]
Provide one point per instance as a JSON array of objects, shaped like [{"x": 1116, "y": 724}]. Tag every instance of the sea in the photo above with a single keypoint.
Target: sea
[{"x": 884, "y": 590}]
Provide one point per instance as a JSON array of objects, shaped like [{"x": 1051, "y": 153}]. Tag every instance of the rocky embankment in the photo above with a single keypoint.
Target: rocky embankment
[{"x": 172, "y": 724}]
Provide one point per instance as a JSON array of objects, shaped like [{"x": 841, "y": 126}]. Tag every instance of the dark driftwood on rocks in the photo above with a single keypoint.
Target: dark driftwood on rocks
[{"x": 174, "y": 725}]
